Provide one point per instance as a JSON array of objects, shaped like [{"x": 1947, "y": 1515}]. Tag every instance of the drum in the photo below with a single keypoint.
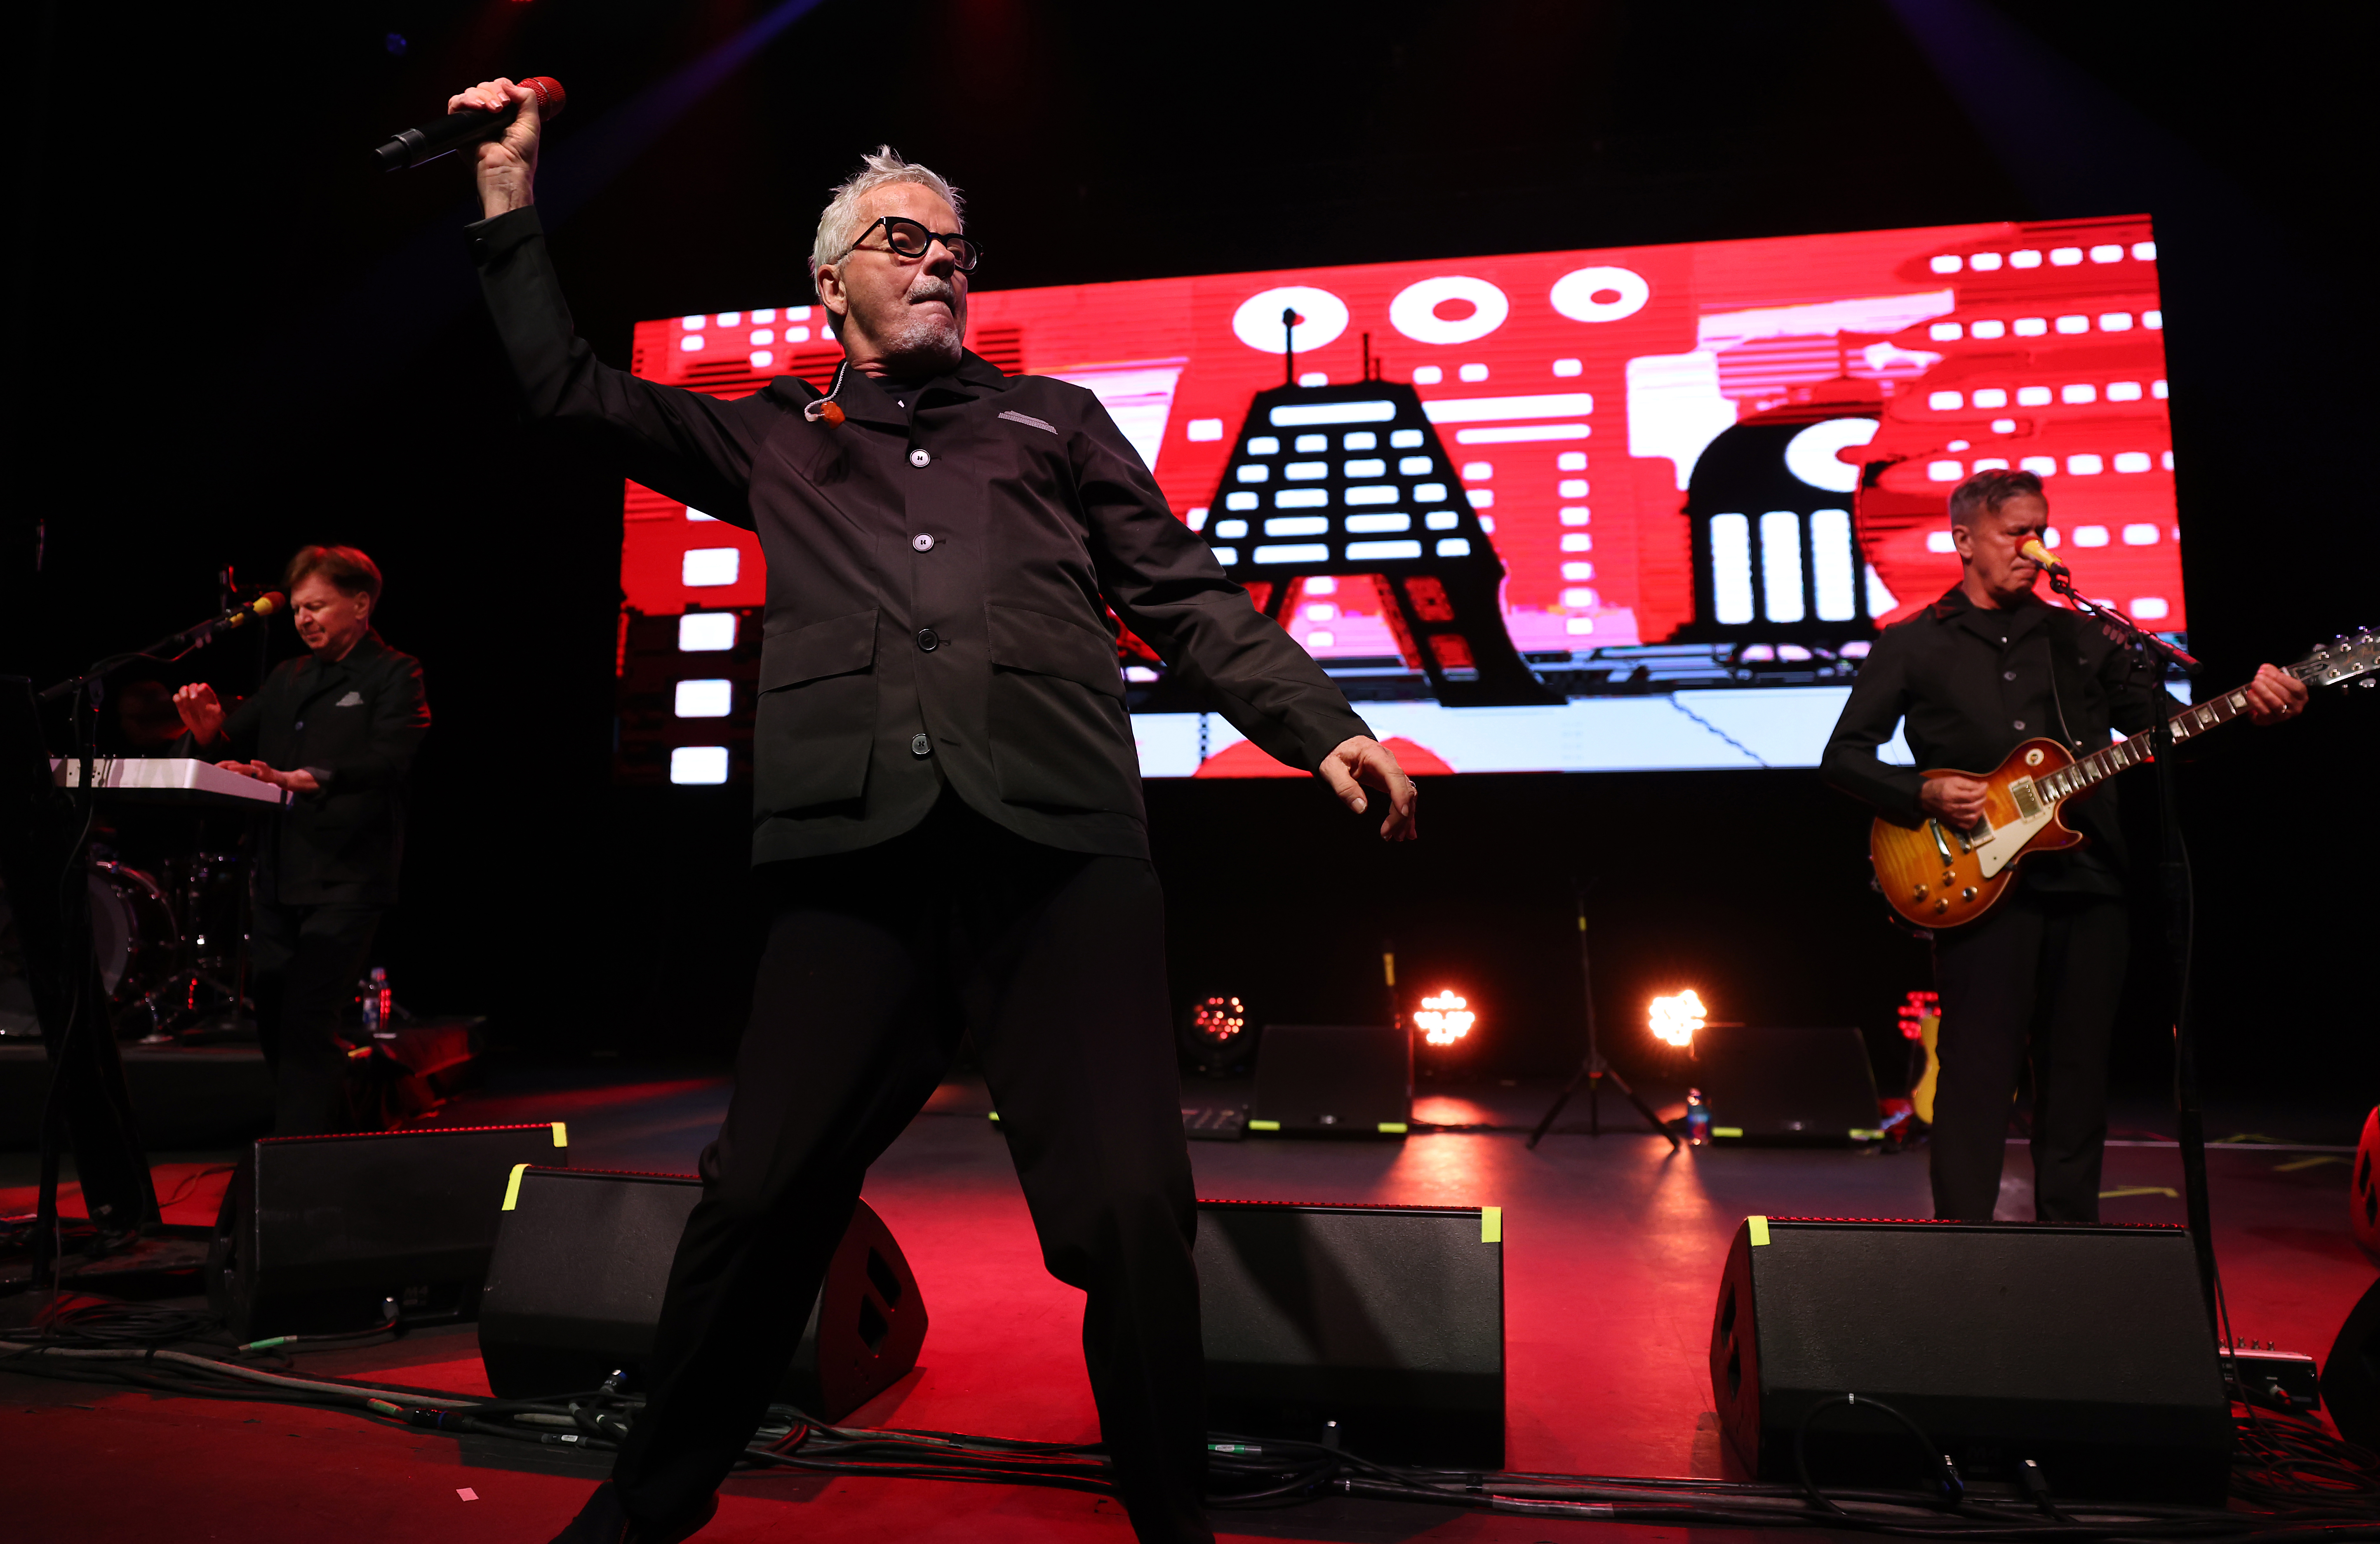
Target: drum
[{"x": 132, "y": 931}]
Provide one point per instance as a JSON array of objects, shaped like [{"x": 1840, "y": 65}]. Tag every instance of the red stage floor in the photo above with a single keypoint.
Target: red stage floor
[{"x": 1612, "y": 1252}]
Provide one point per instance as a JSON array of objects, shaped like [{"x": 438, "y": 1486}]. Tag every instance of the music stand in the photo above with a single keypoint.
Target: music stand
[{"x": 1594, "y": 1069}]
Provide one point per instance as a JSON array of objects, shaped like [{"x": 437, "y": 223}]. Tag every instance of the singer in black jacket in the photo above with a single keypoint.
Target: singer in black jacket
[
  {"x": 1973, "y": 676},
  {"x": 337, "y": 728},
  {"x": 947, "y": 814}
]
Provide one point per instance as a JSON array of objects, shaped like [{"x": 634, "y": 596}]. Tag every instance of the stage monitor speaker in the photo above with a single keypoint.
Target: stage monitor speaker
[
  {"x": 316, "y": 1232},
  {"x": 576, "y": 1292},
  {"x": 1388, "y": 1320},
  {"x": 2350, "y": 1375},
  {"x": 2081, "y": 1347},
  {"x": 1787, "y": 1085},
  {"x": 1333, "y": 1080}
]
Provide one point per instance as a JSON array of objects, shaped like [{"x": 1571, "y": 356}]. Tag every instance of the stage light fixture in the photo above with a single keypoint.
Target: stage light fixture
[
  {"x": 1444, "y": 1018},
  {"x": 1674, "y": 1019},
  {"x": 1219, "y": 1021}
]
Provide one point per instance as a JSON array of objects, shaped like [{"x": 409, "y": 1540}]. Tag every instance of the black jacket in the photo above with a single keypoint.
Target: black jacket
[
  {"x": 940, "y": 569},
  {"x": 1973, "y": 685},
  {"x": 355, "y": 724}
]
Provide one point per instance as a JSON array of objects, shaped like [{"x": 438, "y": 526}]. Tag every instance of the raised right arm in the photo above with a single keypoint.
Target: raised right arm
[{"x": 692, "y": 447}]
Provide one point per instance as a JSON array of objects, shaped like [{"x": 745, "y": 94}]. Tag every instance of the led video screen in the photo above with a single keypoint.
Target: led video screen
[{"x": 1631, "y": 508}]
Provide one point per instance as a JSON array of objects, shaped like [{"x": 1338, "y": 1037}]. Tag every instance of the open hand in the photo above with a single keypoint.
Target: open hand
[
  {"x": 1362, "y": 762},
  {"x": 298, "y": 781},
  {"x": 202, "y": 715},
  {"x": 2275, "y": 694},
  {"x": 1953, "y": 799}
]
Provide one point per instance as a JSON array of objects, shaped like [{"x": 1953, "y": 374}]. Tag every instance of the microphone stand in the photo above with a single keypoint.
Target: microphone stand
[
  {"x": 166, "y": 651},
  {"x": 86, "y": 1090},
  {"x": 1594, "y": 1069},
  {"x": 2173, "y": 875}
]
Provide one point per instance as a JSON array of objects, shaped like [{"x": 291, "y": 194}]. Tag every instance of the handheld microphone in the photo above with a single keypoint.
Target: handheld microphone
[
  {"x": 451, "y": 132},
  {"x": 2041, "y": 554}
]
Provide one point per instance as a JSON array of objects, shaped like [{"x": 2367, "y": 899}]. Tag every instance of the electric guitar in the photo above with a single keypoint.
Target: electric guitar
[{"x": 1937, "y": 876}]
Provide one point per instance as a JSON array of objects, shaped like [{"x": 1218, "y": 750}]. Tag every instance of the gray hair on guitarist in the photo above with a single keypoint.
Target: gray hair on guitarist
[{"x": 2030, "y": 961}]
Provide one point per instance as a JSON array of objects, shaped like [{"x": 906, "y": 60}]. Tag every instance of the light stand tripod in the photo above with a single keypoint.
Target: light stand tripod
[
  {"x": 2173, "y": 874},
  {"x": 1594, "y": 1069}
]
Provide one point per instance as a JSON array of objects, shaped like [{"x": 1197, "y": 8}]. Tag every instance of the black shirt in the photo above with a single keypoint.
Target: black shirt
[
  {"x": 355, "y": 724},
  {"x": 1972, "y": 684},
  {"x": 941, "y": 565}
]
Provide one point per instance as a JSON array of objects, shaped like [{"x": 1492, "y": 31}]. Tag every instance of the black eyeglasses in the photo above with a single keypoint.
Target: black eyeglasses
[{"x": 908, "y": 239}]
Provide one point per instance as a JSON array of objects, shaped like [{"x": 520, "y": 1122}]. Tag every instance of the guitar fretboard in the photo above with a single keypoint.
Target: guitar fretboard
[{"x": 2091, "y": 771}]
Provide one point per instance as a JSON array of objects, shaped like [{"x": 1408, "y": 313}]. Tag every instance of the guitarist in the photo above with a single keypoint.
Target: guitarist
[{"x": 1982, "y": 670}]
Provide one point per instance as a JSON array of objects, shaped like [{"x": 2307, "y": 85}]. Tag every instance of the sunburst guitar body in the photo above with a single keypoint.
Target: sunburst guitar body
[{"x": 1939, "y": 876}]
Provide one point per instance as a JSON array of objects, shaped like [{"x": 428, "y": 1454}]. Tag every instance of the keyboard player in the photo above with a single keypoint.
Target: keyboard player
[{"x": 337, "y": 728}]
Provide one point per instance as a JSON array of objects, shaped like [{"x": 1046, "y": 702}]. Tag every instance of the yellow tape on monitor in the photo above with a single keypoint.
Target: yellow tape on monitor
[
  {"x": 1492, "y": 1225},
  {"x": 512, "y": 1186},
  {"x": 561, "y": 1134},
  {"x": 1758, "y": 1228}
]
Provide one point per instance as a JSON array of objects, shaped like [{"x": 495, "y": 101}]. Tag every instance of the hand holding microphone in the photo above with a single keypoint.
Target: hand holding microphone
[{"x": 504, "y": 119}]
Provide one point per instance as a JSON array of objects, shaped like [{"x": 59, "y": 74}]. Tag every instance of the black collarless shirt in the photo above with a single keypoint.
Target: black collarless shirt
[
  {"x": 357, "y": 724},
  {"x": 1968, "y": 684},
  {"x": 942, "y": 568}
]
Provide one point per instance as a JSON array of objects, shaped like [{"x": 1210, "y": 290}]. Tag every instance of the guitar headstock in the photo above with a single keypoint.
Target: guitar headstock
[{"x": 2350, "y": 656}]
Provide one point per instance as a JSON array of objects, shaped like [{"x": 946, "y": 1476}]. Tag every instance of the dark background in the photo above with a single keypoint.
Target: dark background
[{"x": 232, "y": 337}]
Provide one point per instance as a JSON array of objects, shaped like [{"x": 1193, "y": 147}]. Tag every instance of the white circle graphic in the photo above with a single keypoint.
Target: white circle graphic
[
  {"x": 1810, "y": 454},
  {"x": 1574, "y": 294},
  {"x": 1257, "y": 321},
  {"x": 1414, "y": 311}
]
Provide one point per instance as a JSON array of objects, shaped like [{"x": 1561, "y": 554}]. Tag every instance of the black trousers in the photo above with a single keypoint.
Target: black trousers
[
  {"x": 2041, "y": 973},
  {"x": 306, "y": 961},
  {"x": 876, "y": 962}
]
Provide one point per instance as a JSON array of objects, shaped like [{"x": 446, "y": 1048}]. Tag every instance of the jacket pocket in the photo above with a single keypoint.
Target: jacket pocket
[
  {"x": 1052, "y": 646},
  {"x": 1060, "y": 735},
  {"x": 815, "y": 718}
]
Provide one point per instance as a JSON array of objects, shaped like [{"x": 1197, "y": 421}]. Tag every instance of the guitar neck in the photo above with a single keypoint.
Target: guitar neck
[{"x": 2089, "y": 771}]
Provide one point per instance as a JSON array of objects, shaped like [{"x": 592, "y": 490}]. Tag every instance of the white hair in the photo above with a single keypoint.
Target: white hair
[{"x": 840, "y": 224}]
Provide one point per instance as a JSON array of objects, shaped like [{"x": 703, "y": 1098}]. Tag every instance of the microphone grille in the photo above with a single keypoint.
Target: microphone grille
[
  {"x": 551, "y": 98},
  {"x": 269, "y": 602}
]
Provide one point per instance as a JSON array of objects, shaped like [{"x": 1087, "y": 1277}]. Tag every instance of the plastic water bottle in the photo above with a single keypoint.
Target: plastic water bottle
[{"x": 1698, "y": 1119}]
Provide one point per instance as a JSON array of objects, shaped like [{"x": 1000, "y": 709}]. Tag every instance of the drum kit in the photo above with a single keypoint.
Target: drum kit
[
  {"x": 168, "y": 883},
  {"x": 173, "y": 945}
]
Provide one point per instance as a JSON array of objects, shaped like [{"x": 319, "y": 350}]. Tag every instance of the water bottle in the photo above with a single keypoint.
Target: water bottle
[
  {"x": 1698, "y": 1119},
  {"x": 376, "y": 1000}
]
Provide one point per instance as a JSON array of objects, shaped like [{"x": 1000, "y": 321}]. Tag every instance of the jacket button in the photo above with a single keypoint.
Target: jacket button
[
  {"x": 2005, "y": 675},
  {"x": 925, "y": 543},
  {"x": 2020, "y": 724},
  {"x": 918, "y": 457},
  {"x": 299, "y": 724},
  {"x": 931, "y": 640},
  {"x": 920, "y": 746}
]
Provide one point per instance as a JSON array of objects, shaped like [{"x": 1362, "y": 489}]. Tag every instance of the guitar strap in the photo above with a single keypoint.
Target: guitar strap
[{"x": 2065, "y": 672}]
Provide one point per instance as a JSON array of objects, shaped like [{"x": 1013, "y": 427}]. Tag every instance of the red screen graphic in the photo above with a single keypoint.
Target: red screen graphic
[{"x": 1575, "y": 394}]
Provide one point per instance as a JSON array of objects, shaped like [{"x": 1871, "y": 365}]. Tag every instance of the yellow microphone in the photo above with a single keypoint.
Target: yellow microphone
[
  {"x": 262, "y": 606},
  {"x": 2041, "y": 554}
]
